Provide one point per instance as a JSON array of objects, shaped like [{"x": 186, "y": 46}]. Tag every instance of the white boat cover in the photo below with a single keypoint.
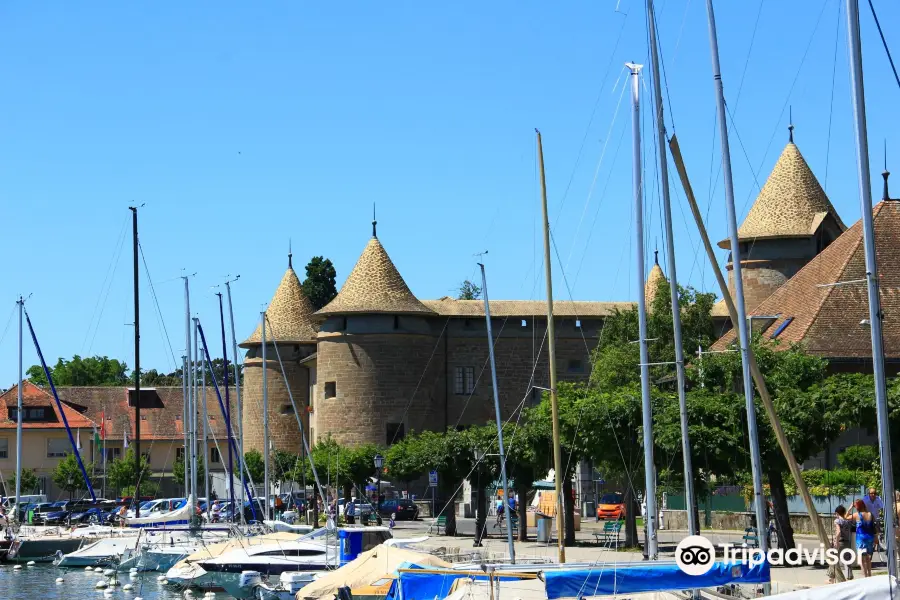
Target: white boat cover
[
  {"x": 179, "y": 516},
  {"x": 862, "y": 588}
]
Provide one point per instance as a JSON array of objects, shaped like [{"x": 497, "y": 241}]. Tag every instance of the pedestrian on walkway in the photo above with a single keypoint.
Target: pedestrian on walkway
[
  {"x": 843, "y": 534},
  {"x": 866, "y": 533}
]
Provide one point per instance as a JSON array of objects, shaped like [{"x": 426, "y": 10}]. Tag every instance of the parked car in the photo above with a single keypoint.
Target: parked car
[
  {"x": 95, "y": 514},
  {"x": 404, "y": 509},
  {"x": 611, "y": 506},
  {"x": 56, "y": 514}
]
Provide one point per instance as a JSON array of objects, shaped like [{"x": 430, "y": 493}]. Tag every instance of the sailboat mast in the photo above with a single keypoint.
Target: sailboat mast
[
  {"x": 205, "y": 444},
  {"x": 875, "y": 314},
  {"x": 237, "y": 389},
  {"x": 551, "y": 346},
  {"x": 755, "y": 459},
  {"x": 647, "y": 411},
  {"x": 21, "y": 304},
  {"x": 265, "y": 399},
  {"x": 490, "y": 335},
  {"x": 137, "y": 367},
  {"x": 227, "y": 404},
  {"x": 202, "y": 461},
  {"x": 186, "y": 379},
  {"x": 690, "y": 498}
]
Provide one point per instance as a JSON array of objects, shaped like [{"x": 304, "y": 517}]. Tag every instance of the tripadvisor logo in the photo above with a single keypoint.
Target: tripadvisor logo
[{"x": 695, "y": 555}]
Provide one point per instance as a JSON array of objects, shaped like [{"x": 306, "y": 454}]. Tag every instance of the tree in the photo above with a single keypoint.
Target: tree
[
  {"x": 360, "y": 465},
  {"x": 178, "y": 470},
  {"x": 319, "y": 285},
  {"x": 93, "y": 370},
  {"x": 67, "y": 474},
  {"x": 859, "y": 458},
  {"x": 30, "y": 483},
  {"x": 468, "y": 291},
  {"x": 120, "y": 474},
  {"x": 253, "y": 461}
]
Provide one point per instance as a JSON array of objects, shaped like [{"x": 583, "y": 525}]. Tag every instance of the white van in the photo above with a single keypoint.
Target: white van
[{"x": 25, "y": 499}]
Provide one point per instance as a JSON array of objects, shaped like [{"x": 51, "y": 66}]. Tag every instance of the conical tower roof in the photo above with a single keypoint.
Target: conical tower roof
[
  {"x": 829, "y": 320},
  {"x": 652, "y": 285},
  {"x": 289, "y": 314},
  {"x": 374, "y": 286},
  {"x": 791, "y": 203}
]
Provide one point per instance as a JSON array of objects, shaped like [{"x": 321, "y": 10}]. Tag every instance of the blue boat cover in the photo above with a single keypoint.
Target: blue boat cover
[
  {"x": 428, "y": 586},
  {"x": 644, "y": 577}
]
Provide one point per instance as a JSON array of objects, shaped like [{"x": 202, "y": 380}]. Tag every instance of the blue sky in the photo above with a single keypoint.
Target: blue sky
[{"x": 243, "y": 125}]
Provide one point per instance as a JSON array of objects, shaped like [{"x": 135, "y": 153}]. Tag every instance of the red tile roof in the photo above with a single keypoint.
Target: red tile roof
[
  {"x": 827, "y": 319},
  {"x": 36, "y": 397}
]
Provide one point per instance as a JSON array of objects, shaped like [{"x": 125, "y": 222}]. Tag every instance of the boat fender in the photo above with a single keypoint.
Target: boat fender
[
  {"x": 127, "y": 587},
  {"x": 59, "y": 580},
  {"x": 101, "y": 585}
]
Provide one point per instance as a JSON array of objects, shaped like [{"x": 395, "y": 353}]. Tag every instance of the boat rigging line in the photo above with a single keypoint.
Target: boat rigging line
[{"x": 884, "y": 43}]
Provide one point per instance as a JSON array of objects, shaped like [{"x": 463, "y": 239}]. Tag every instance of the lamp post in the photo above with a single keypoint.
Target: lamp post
[
  {"x": 70, "y": 484},
  {"x": 379, "y": 463},
  {"x": 480, "y": 504}
]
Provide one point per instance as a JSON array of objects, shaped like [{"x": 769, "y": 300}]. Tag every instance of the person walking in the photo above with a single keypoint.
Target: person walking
[
  {"x": 866, "y": 533},
  {"x": 842, "y": 540},
  {"x": 350, "y": 512},
  {"x": 874, "y": 503}
]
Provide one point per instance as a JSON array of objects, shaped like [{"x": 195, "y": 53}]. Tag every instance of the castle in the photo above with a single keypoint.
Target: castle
[{"x": 377, "y": 362}]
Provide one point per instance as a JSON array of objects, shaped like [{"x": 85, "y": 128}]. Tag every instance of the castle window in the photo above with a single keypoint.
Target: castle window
[
  {"x": 4, "y": 447},
  {"x": 287, "y": 409},
  {"x": 395, "y": 433},
  {"x": 343, "y": 323},
  {"x": 214, "y": 456},
  {"x": 575, "y": 366},
  {"x": 396, "y": 322},
  {"x": 330, "y": 389},
  {"x": 464, "y": 381},
  {"x": 577, "y": 323},
  {"x": 524, "y": 323},
  {"x": 179, "y": 454}
]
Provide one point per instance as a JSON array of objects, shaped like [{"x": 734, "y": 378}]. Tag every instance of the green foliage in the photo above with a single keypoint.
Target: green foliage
[
  {"x": 468, "y": 291},
  {"x": 120, "y": 473},
  {"x": 837, "y": 482},
  {"x": 256, "y": 467},
  {"x": 319, "y": 285},
  {"x": 93, "y": 370},
  {"x": 178, "y": 470},
  {"x": 859, "y": 458},
  {"x": 359, "y": 465},
  {"x": 30, "y": 483},
  {"x": 282, "y": 466},
  {"x": 148, "y": 488},
  {"x": 67, "y": 475}
]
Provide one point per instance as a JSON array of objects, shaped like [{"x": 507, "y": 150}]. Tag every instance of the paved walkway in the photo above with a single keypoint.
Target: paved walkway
[{"x": 586, "y": 550}]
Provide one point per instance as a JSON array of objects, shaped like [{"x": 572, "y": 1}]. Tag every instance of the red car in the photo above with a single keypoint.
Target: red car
[{"x": 611, "y": 507}]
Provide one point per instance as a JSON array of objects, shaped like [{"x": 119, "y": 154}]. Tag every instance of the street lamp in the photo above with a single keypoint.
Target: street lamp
[{"x": 379, "y": 463}]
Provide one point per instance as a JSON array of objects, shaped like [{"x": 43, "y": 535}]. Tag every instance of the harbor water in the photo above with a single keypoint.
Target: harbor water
[{"x": 39, "y": 581}]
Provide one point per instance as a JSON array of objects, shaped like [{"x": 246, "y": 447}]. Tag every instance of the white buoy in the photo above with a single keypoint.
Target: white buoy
[
  {"x": 17, "y": 567},
  {"x": 30, "y": 563},
  {"x": 161, "y": 578},
  {"x": 114, "y": 582},
  {"x": 108, "y": 572},
  {"x": 108, "y": 593},
  {"x": 164, "y": 581},
  {"x": 89, "y": 568},
  {"x": 127, "y": 587},
  {"x": 138, "y": 598},
  {"x": 133, "y": 570},
  {"x": 59, "y": 580},
  {"x": 101, "y": 585}
]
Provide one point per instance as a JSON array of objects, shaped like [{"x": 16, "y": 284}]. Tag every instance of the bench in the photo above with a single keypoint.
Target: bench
[
  {"x": 751, "y": 537},
  {"x": 609, "y": 537},
  {"x": 439, "y": 525}
]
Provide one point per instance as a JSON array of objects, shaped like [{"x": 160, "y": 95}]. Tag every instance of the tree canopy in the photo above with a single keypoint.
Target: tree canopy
[
  {"x": 120, "y": 473},
  {"x": 67, "y": 475},
  {"x": 319, "y": 285},
  {"x": 468, "y": 291},
  {"x": 93, "y": 370}
]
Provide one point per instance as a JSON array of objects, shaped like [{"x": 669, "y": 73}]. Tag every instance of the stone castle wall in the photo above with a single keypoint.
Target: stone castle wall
[
  {"x": 379, "y": 379},
  {"x": 283, "y": 431}
]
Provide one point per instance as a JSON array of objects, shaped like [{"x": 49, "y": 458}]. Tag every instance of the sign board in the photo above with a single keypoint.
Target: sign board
[{"x": 432, "y": 479}]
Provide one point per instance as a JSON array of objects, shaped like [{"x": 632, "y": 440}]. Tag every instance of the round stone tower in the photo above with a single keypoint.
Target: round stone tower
[
  {"x": 290, "y": 325},
  {"x": 379, "y": 368},
  {"x": 790, "y": 223}
]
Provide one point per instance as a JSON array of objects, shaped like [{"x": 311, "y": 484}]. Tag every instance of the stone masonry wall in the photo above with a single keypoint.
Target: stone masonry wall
[
  {"x": 762, "y": 277},
  {"x": 379, "y": 378},
  {"x": 283, "y": 431}
]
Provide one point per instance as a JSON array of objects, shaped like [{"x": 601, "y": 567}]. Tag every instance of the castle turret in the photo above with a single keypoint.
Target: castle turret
[
  {"x": 790, "y": 223},
  {"x": 378, "y": 377},
  {"x": 651, "y": 287},
  {"x": 291, "y": 326}
]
